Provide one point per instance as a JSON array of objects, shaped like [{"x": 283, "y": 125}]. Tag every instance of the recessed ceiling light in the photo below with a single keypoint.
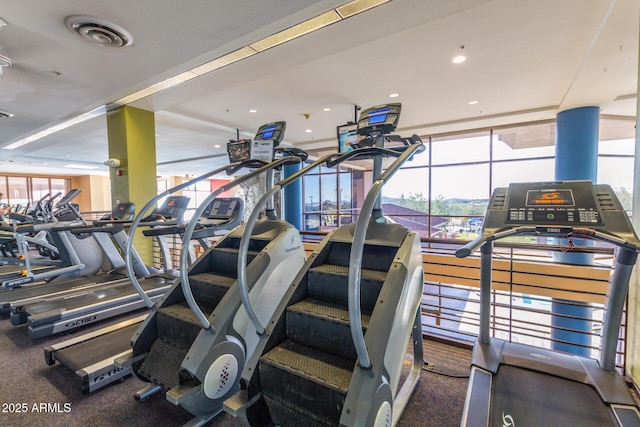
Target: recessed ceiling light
[
  {"x": 308, "y": 131},
  {"x": 459, "y": 58},
  {"x": 393, "y": 95},
  {"x": 253, "y": 111},
  {"x": 472, "y": 102},
  {"x": 216, "y": 146},
  {"x": 326, "y": 109}
]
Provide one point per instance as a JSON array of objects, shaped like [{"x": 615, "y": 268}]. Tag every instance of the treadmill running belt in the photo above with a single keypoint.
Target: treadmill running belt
[
  {"x": 527, "y": 398},
  {"x": 98, "y": 349}
]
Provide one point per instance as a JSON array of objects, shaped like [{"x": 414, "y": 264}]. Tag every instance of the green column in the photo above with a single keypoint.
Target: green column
[{"x": 131, "y": 134}]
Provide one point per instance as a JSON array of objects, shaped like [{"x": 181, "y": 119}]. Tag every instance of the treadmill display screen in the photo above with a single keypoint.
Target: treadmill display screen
[
  {"x": 550, "y": 197},
  {"x": 222, "y": 207}
]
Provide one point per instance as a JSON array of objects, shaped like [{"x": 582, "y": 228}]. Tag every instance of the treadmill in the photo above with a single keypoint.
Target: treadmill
[
  {"x": 60, "y": 256},
  {"x": 69, "y": 311},
  {"x": 35, "y": 292},
  {"x": 513, "y": 384},
  {"x": 91, "y": 356}
]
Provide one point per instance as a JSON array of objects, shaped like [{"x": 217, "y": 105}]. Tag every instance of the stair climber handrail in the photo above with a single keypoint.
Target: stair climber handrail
[
  {"x": 188, "y": 233},
  {"x": 243, "y": 249},
  {"x": 141, "y": 214},
  {"x": 330, "y": 160},
  {"x": 357, "y": 248},
  {"x": 362, "y": 152}
]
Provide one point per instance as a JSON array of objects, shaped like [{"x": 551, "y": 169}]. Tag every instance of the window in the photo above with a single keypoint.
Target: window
[
  {"x": 444, "y": 192},
  {"x": 331, "y": 198}
]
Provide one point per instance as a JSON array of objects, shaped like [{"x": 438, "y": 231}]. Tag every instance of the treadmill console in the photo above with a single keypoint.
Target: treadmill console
[
  {"x": 173, "y": 209},
  {"x": 569, "y": 204},
  {"x": 223, "y": 208}
]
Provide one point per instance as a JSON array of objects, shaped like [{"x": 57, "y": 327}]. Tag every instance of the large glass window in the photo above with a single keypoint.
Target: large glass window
[
  {"x": 524, "y": 142},
  {"x": 21, "y": 191},
  {"x": 18, "y": 191},
  {"x": 462, "y": 148},
  {"x": 59, "y": 185},
  {"x": 331, "y": 198},
  {"x": 444, "y": 192},
  {"x": 504, "y": 173},
  {"x": 616, "y": 151},
  {"x": 40, "y": 187}
]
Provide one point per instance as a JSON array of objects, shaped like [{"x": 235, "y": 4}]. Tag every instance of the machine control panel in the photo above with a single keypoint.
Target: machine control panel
[
  {"x": 223, "y": 208},
  {"x": 554, "y": 203},
  {"x": 382, "y": 119}
]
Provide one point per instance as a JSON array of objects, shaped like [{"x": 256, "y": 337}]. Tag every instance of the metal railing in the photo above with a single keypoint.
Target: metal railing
[
  {"x": 526, "y": 282},
  {"x": 521, "y": 298}
]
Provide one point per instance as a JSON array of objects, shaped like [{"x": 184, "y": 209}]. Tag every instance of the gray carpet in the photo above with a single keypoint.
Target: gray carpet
[{"x": 26, "y": 383}]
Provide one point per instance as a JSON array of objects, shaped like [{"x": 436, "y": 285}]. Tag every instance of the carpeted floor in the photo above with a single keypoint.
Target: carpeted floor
[{"x": 34, "y": 394}]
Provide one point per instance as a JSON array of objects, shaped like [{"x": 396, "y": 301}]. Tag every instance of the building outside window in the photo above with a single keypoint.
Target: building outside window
[{"x": 443, "y": 193}]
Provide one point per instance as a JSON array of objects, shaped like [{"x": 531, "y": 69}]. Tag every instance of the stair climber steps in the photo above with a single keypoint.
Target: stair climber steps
[
  {"x": 162, "y": 364},
  {"x": 225, "y": 260},
  {"x": 209, "y": 288},
  {"x": 323, "y": 326},
  {"x": 304, "y": 386},
  {"x": 330, "y": 283},
  {"x": 178, "y": 327}
]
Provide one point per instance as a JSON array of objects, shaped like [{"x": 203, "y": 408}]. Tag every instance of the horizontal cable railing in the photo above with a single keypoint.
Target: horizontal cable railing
[{"x": 526, "y": 280}]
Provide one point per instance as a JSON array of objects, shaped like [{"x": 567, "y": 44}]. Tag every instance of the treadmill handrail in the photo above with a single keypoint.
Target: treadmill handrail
[
  {"x": 579, "y": 232},
  {"x": 141, "y": 214},
  {"x": 330, "y": 159},
  {"x": 188, "y": 233},
  {"x": 357, "y": 249}
]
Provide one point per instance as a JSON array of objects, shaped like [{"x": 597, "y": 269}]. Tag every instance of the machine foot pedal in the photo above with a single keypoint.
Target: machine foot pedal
[{"x": 238, "y": 404}]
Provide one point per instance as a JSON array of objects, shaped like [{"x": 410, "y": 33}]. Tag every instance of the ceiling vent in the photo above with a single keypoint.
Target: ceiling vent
[
  {"x": 99, "y": 31},
  {"x": 5, "y": 115}
]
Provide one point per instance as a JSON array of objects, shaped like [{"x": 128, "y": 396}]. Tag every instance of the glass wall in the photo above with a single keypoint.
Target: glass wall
[
  {"x": 444, "y": 191},
  {"x": 21, "y": 191},
  {"x": 331, "y": 197}
]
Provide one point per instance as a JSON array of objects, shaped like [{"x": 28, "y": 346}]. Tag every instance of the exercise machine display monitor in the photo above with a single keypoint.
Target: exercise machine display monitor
[
  {"x": 567, "y": 204},
  {"x": 381, "y": 119},
  {"x": 347, "y": 137},
  {"x": 267, "y": 138}
]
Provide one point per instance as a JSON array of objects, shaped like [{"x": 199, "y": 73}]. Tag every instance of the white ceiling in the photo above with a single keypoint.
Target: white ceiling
[{"x": 526, "y": 60}]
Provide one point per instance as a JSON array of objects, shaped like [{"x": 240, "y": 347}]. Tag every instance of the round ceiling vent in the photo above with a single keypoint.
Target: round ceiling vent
[{"x": 99, "y": 31}]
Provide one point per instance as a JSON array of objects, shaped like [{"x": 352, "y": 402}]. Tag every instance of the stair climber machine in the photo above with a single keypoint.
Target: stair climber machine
[
  {"x": 332, "y": 351},
  {"x": 91, "y": 356},
  {"x": 208, "y": 289},
  {"x": 108, "y": 298},
  {"x": 76, "y": 258},
  {"x": 516, "y": 384},
  {"x": 36, "y": 292}
]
